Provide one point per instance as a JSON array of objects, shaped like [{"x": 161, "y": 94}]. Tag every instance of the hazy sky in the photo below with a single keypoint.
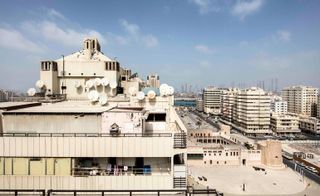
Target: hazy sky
[{"x": 200, "y": 42}]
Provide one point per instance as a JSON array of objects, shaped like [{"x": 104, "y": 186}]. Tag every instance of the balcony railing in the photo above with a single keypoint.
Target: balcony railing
[
  {"x": 180, "y": 140},
  {"x": 85, "y": 135},
  {"x": 94, "y": 171}
]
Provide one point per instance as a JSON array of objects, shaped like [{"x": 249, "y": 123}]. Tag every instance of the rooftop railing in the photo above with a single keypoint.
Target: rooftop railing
[
  {"x": 85, "y": 134},
  {"x": 94, "y": 171}
]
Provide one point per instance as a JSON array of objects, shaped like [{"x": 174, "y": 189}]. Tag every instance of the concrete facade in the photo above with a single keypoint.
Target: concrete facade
[
  {"x": 153, "y": 80},
  {"x": 278, "y": 105},
  {"x": 211, "y": 100},
  {"x": 107, "y": 134},
  {"x": 284, "y": 123},
  {"x": 301, "y": 99},
  {"x": 309, "y": 124}
]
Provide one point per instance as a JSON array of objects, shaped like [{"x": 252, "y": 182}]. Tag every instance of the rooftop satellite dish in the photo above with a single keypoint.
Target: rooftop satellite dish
[
  {"x": 140, "y": 95},
  {"x": 132, "y": 91},
  {"x": 97, "y": 81},
  {"x": 103, "y": 99},
  {"x": 89, "y": 84},
  {"x": 113, "y": 84},
  {"x": 77, "y": 84},
  {"x": 95, "y": 95},
  {"x": 170, "y": 90},
  {"x": 151, "y": 94},
  {"x": 104, "y": 81},
  {"x": 90, "y": 95},
  {"x": 31, "y": 92},
  {"x": 40, "y": 84},
  {"x": 163, "y": 89}
]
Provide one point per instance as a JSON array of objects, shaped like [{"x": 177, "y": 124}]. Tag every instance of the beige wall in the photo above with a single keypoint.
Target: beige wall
[
  {"x": 128, "y": 122},
  {"x": 271, "y": 153},
  {"x": 86, "y": 146},
  {"x": 91, "y": 182},
  {"x": 46, "y": 123}
]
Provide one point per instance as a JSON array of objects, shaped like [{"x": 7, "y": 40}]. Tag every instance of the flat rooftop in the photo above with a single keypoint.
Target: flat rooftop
[
  {"x": 64, "y": 107},
  {"x": 230, "y": 179},
  {"x": 17, "y": 105}
]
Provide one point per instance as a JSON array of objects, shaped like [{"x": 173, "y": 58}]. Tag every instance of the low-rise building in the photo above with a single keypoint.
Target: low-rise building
[
  {"x": 284, "y": 123},
  {"x": 309, "y": 124}
]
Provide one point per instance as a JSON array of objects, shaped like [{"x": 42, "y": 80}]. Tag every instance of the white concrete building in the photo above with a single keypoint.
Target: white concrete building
[
  {"x": 278, "y": 105},
  {"x": 212, "y": 100},
  {"x": 284, "y": 123},
  {"x": 247, "y": 110},
  {"x": 106, "y": 134},
  {"x": 228, "y": 101},
  {"x": 153, "y": 80},
  {"x": 310, "y": 124},
  {"x": 301, "y": 99},
  {"x": 252, "y": 111}
]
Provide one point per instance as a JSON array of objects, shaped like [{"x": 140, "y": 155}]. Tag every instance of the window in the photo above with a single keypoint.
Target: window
[
  {"x": 217, "y": 162},
  {"x": 211, "y": 162},
  {"x": 226, "y": 154}
]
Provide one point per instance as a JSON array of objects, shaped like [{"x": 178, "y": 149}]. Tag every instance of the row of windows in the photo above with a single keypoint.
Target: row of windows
[
  {"x": 48, "y": 65},
  {"x": 113, "y": 66},
  {"x": 227, "y": 154},
  {"x": 205, "y": 162}
]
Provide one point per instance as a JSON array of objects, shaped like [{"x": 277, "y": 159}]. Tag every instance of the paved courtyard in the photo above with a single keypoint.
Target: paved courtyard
[{"x": 230, "y": 180}]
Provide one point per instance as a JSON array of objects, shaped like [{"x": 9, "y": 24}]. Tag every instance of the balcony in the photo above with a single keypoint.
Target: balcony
[
  {"x": 86, "y": 145},
  {"x": 180, "y": 140}
]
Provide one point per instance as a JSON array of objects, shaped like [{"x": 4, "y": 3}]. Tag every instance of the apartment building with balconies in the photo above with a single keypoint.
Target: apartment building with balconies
[{"x": 301, "y": 99}]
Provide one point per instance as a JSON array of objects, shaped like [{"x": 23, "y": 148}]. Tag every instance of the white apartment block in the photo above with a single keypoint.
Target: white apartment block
[
  {"x": 301, "y": 99},
  {"x": 252, "y": 111},
  {"x": 284, "y": 123},
  {"x": 310, "y": 124},
  {"x": 247, "y": 110},
  {"x": 278, "y": 105},
  {"x": 212, "y": 100},
  {"x": 228, "y": 100}
]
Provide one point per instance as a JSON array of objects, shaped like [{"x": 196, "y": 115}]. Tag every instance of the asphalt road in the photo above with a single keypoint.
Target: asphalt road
[{"x": 307, "y": 173}]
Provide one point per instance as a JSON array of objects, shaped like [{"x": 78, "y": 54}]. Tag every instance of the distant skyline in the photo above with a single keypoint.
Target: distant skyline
[{"x": 199, "y": 42}]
